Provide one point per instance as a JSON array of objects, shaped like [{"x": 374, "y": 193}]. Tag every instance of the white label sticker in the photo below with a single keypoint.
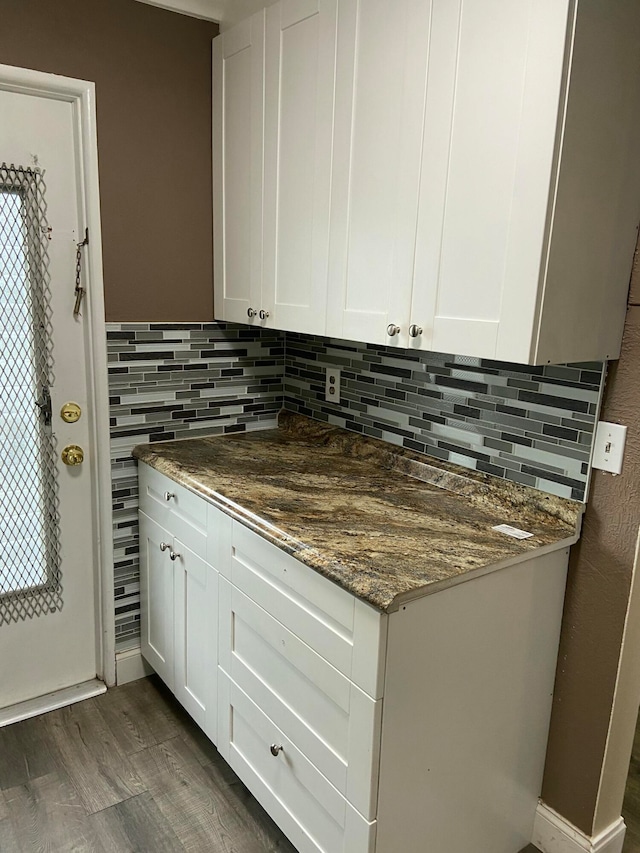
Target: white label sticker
[{"x": 508, "y": 530}]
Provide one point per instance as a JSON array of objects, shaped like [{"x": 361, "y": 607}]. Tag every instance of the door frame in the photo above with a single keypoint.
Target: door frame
[{"x": 81, "y": 94}]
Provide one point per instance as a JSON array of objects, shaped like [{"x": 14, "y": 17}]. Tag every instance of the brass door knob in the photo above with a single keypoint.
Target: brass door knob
[{"x": 73, "y": 455}]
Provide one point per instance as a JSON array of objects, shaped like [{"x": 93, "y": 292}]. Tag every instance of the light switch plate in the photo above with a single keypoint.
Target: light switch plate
[{"x": 608, "y": 448}]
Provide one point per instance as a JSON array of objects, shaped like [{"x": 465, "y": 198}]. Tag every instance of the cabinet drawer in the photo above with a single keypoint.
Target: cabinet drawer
[
  {"x": 181, "y": 512},
  {"x": 334, "y": 723},
  {"x": 343, "y": 630},
  {"x": 307, "y": 807}
]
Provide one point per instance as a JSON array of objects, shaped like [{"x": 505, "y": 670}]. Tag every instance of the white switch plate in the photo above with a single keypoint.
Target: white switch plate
[
  {"x": 332, "y": 385},
  {"x": 608, "y": 448}
]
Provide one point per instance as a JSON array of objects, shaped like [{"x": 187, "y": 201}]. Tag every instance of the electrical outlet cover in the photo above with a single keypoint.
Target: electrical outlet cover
[{"x": 332, "y": 385}]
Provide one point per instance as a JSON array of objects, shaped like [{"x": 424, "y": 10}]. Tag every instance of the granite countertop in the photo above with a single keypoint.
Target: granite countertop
[{"x": 375, "y": 519}]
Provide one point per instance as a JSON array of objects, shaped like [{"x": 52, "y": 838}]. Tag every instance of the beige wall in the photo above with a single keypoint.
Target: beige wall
[
  {"x": 152, "y": 71},
  {"x": 598, "y": 590}
]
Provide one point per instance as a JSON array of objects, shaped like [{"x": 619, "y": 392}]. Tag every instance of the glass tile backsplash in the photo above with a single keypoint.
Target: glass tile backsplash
[
  {"x": 533, "y": 425},
  {"x": 176, "y": 381}
]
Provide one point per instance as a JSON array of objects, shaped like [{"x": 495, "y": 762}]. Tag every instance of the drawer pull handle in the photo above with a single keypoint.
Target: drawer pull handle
[
  {"x": 276, "y": 750},
  {"x": 168, "y": 496},
  {"x": 164, "y": 546},
  {"x": 415, "y": 331},
  {"x": 264, "y": 315},
  {"x": 393, "y": 330},
  {"x": 173, "y": 556}
]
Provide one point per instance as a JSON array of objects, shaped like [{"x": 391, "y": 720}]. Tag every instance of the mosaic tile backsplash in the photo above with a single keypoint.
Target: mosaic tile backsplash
[
  {"x": 176, "y": 381},
  {"x": 533, "y": 425}
]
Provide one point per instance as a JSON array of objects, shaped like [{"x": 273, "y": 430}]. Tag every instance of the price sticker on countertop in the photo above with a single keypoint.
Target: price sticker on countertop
[{"x": 508, "y": 530}]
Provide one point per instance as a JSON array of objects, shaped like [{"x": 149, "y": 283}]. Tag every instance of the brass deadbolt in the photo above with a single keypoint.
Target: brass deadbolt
[
  {"x": 73, "y": 455},
  {"x": 70, "y": 413}
]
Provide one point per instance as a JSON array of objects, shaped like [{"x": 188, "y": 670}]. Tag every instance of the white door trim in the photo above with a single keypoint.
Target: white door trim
[
  {"x": 553, "y": 833},
  {"x": 81, "y": 94}
]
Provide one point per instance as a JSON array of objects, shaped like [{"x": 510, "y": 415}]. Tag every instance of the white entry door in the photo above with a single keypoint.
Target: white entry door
[{"x": 48, "y": 532}]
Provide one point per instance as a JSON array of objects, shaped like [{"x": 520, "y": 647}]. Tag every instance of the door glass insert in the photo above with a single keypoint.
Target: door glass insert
[{"x": 30, "y": 582}]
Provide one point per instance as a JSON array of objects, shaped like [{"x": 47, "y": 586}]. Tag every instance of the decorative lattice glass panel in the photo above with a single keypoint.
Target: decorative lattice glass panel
[{"x": 30, "y": 581}]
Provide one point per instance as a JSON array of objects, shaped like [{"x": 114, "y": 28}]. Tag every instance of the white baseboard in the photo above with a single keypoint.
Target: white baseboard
[
  {"x": 554, "y": 834},
  {"x": 130, "y": 666},
  {"x": 51, "y": 701}
]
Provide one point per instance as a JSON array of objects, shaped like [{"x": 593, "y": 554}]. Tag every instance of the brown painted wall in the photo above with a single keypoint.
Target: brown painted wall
[
  {"x": 598, "y": 590},
  {"x": 152, "y": 71}
]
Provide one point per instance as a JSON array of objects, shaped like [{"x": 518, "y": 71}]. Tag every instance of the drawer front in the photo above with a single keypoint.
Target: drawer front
[
  {"x": 345, "y": 631},
  {"x": 313, "y": 608},
  {"x": 334, "y": 723},
  {"x": 181, "y": 512},
  {"x": 309, "y": 810}
]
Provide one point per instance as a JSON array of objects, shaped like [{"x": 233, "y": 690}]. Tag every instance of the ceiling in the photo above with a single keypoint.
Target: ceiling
[{"x": 226, "y": 12}]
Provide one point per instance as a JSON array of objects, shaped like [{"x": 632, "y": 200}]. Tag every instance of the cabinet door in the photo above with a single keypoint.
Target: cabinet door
[
  {"x": 299, "y": 95},
  {"x": 156, "y": 598},
  {"x": 196, "y": 637},
  {"x": 238, "y": 82},
  {"x": 493, "y": 100},
  {"x": 380, "y": 103}
]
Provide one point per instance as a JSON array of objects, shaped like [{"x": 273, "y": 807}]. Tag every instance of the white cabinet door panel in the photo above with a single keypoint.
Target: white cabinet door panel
[
  {"x": 299, "y": 95},
  {"x": 196, "y": 636},
  {"x": 156, "y": 599},
  {"x": 482, "y": 215},
  {"x": 238, "y": 129},
  {"x": 379, "y": 118}
]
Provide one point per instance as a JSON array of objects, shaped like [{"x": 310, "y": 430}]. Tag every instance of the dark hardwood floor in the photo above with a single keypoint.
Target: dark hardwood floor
[
  {"x": 126, "y": 771},
  {"x": 130, "y": 772}
]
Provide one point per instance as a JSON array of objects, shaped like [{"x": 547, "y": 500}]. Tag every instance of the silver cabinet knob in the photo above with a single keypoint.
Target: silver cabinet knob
[
  {"x": 251, "y": 313},
  {"x": 393, "y": 330},
  {"x": 263, "y": 314},
  {"x": 276, "y": 750},
  {"x": 168, "y": 496},
  {"x": 173, "y": 556},
  {"x": 415, "y": 331},
  {"x": 164, "y": 546}
]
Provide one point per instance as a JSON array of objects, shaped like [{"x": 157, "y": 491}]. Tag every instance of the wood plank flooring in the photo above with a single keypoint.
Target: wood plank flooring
[
  {"x": 126, "y": 771},
  {"x": 130, "y": 772}
]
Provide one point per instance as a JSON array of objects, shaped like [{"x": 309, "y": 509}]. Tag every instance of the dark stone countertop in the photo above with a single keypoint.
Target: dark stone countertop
[{"x": 369, "y": 516}]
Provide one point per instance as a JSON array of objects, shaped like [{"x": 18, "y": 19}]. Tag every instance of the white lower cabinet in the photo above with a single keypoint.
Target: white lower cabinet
[
  {"x": 359, "y": 731},
  {"x": 179, "y": 607}
]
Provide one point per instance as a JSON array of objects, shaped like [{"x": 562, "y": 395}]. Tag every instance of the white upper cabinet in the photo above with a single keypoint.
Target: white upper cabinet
[
  {"x": 238, "y": 129},
  {"x": 381, "y": 83},
  {"x": 274, "y": 80},
  {"x": 299, "y": 98},
  {"x": 525, "y": 230},
  {"x": 452, "y": 176}
]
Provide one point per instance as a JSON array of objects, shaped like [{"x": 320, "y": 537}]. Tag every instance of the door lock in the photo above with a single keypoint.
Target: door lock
[
  {"x": 70, "y": 413},
  {"x": 73, "y": 455}
]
